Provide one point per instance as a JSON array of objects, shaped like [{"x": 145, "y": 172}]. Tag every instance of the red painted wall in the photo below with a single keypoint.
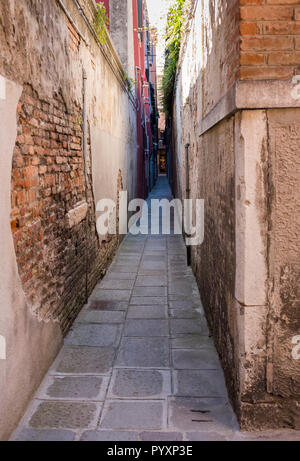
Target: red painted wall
[
  {"x": 139, "y": 61},
  {"x": 144, "y": 136}
]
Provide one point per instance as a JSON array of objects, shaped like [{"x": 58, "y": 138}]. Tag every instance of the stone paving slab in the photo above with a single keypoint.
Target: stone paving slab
[
  {"x": 178, "y": 270},
  {"x": 94, "y": 335},
  {"x": 207, "y": 436},
  {"x": 131, "y": 247},
  {"x": 95, "y": 305},
  {"x": 109, "y": 436},
  {"x": 123, "y": 254},
  {"x": 110, "y": 295},
  {"x": 140, "y": 384},
  {"x": 154, "y": 291},
  {"x": 192, "y": 296},
  {"x": 201, "y": 414},
  {"x": 154, "y": 265},
  {"x": 161, "y": 436},
  {"x": 68, "y": 415},
  {"x": 114, "y": 275},
  {"x": 74, "y": 388},
  {"x": 148, "y": 301},
  {"x": 123, "y": 258},
  {"x": 46, "y": 435},
  {"x": 163, "y": 253},
  {"x": 151, "y": 272},
  {"x": 188, "y": 326},
  {"x": 151, "y": 281},
  {"x": 201, "y": 359},
  {"x": 84, "y": 360},
  {"x": 172, "y": 250},
  {"x": 175, "y": 263},
  {"x": 184, "y": 304},
  {"x": 185, "y": 314},
  {"x": 179, "y": 273},
  {"x": 147, "y": 312},
  {"x": 156, "y": 244},
  {"x": 158, "y": 260},
  {"x": 192, "y": 342},
  {"x": 175, "y": 273},
  {"x": 144, "y": 352},
  {"x": 130, "y": 415},
  {"x": 146, "y": 327},
  {"x": 180, "y": 292},
  {"x": 117, "y": 284},
  {"x": 101, "y": 317},
  {"x": 199, "y": 383},
  {"x": 124, "y": 269}
]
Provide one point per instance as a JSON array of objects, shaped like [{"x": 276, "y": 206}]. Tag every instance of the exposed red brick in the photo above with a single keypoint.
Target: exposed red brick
[
  {"x": 266, "y": 12},
  {"x": 47, "y": 181},
  {"x": 266, "y": 73}
]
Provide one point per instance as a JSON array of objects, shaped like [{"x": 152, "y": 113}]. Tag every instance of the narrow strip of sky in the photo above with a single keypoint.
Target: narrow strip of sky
[{"x": 158, "y": 10}]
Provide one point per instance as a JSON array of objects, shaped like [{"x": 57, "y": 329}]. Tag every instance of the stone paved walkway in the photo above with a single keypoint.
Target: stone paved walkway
[{"x": 139, "y": 363}]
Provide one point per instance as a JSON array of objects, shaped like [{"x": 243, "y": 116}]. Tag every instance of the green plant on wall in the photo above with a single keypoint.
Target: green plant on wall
[
  {"x": 131, "y": 84},
  {"x": 101, "y": 22},
  {"x": 129, "y": 81},
  {"x": 175, "y": 23}
]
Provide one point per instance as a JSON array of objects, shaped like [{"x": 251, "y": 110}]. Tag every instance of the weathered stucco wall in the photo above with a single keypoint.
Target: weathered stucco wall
[
  {"x": 207, "y": 69},
  {"x": 121, "y": 26},
  {"x": 284, "y": 255},
  {"x": 245, "y": 165},
  {"x": 52, "y": 253},
  {"x": 214, "y": 260},
  {"x": 21, "y": 368},
  {"x": 202, "y": 81},
  {"x": 267, "y": 294}
]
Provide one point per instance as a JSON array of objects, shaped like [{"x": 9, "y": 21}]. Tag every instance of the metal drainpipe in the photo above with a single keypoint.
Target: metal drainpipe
[
  {"x": 84, "y": 148},
  {"x": 84, "y": 128},
  {"x": 187, "y": 173},
  {"x": 137, "y": 69}
]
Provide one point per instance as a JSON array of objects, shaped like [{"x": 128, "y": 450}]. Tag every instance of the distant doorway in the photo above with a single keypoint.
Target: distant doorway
[{"x": 162, "y": 162}]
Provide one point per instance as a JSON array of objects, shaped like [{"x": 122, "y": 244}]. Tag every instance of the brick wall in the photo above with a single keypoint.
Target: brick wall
[
  {"x": 58, "y": 264},
  {"x": 47, "y": 181},
  {"x": 270, "y": 39},
  {"x": 219, "y": 22},
  {"x": 232, "y": 42}
]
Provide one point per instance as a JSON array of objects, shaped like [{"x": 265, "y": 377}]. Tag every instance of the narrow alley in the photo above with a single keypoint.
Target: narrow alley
[
  {"x": 139, "y": 362},
  {"x": 149, "y": 220}
]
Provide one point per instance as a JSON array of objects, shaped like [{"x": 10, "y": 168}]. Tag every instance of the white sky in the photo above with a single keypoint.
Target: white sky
[{"x": 158, "y": 17}]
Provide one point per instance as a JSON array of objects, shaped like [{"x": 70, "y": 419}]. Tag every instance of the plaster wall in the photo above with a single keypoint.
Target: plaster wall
[
  {"x": 45, "y": 49},
  {"x": 244, "y": 162}
]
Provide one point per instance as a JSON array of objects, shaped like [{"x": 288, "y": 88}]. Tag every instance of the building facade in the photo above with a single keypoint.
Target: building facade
[
  {"x": 135, "y": 43},
  {"x": 237, "y": 111},
  {"x": 70, "y": 123}
]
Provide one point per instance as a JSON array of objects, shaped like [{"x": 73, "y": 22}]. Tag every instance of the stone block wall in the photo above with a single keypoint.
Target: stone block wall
[
  {"x": 242, "y": 126},
  {"x": 49, "y": 192}
]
